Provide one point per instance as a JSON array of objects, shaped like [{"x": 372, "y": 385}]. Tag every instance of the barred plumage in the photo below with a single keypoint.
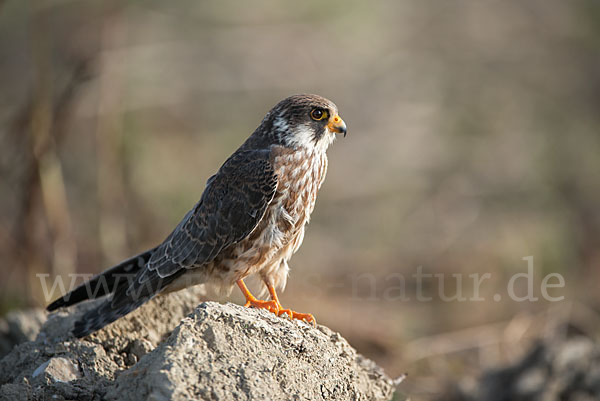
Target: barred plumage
[{"x": 249, "y": 220}]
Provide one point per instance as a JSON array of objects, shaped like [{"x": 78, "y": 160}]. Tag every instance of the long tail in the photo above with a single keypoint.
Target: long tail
[
  {"x": 128, "y": 292},
  {"x": 127, "y": 297},
  {"x": 104, "y": 283}
]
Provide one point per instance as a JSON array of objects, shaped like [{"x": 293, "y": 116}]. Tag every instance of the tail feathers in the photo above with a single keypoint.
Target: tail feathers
[
  {"x": 127, "y": 297},
  {"x": 106, "y": 313},
  {"x": 104, "y": 283}
]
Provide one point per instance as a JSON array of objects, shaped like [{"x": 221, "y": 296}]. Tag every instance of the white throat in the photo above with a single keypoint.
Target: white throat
[{"x": 303, "y": 137}]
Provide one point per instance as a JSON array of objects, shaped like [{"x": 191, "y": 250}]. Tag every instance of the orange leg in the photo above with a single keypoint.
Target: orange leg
[
  {"x": 271, "y": 306},
  {"x": 291, "y": 314}
]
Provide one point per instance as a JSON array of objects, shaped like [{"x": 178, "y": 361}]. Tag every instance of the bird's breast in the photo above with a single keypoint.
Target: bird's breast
[
  {"x": 281, "y": 230},
  {"x": 300, "y": 175}
]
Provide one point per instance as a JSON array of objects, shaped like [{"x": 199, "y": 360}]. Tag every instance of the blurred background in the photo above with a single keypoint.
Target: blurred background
[{"x": 473, "y": 142}]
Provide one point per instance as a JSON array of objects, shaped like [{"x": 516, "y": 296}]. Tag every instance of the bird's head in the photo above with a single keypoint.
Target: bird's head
[{"x": 303, "y": 121}]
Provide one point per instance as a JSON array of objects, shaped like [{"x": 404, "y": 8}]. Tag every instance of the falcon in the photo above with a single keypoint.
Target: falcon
[{"x": 250, "y": 220}]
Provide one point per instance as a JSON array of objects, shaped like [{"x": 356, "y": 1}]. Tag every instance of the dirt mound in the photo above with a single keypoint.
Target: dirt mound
[{"x": 218, "y": 352}]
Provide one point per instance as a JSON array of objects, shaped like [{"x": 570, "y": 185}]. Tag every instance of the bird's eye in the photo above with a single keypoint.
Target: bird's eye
[{"x": 318, "y": 114}]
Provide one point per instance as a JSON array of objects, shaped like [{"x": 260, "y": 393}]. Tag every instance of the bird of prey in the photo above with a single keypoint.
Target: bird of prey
[{"x": 250, "y": 220}]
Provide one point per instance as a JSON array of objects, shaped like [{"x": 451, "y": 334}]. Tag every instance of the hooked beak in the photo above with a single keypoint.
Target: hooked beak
[{"x": 336, "y": 124}]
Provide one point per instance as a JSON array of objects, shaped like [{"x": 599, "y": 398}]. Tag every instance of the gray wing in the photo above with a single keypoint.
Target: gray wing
[{"x": 233, "y": 203}]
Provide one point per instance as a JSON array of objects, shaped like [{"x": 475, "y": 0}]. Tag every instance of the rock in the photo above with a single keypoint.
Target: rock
[
  {"x": 58, "y": 370},
  {"x": 218, "y": 352},
  {"x": 238, "y": 353},
  {"x": 552, "y": 370},
  {"x": 18, "y": 327}
]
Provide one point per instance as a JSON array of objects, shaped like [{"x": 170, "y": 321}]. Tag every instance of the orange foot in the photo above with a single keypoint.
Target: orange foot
[
  {"x": 307, "y": 317},
  {"x": 273, "y": 305}
]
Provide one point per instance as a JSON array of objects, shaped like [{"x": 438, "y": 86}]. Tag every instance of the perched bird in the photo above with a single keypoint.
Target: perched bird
[{"x": 249, "y": 220}]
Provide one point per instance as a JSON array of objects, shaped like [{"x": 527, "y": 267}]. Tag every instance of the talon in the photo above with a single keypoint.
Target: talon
[
  {"x": 307, "y": 317},
  {"x": 286, "y": 312},
  {"x": 271, "y": 306}
]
